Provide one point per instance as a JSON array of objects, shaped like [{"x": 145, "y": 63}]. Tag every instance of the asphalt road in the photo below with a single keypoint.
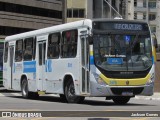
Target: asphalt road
[{"x": 90, "y": 109}]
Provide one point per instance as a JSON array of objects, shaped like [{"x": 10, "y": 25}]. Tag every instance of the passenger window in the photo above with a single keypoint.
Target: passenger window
[
  {"x": 69, "y": 43},
  {"x": 34, "y": 48},
  {"x": 28, "y": 49},
  {"x": 6, "y": 52},
  {"x": 40, "y": 54},
  {"x": 53, "y": 45},
  {"x": 19, "y": 51}
]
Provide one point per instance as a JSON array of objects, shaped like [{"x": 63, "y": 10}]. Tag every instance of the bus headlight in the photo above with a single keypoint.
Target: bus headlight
[
  {"x": 99, "y": 80},
  {"x": 151, "y": 80}
]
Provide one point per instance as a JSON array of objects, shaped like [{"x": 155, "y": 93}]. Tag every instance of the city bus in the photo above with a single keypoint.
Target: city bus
[
  {"x": 1, "y": 61},
  {"x": 89, "y": 58}
]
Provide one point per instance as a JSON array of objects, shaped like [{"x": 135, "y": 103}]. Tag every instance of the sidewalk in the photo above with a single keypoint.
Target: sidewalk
[{"x": 155, "y": 96}]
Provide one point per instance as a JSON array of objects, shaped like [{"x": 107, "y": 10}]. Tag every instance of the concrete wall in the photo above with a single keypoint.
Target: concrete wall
[
  {"x": 98, "y": 9},
  {"x": 130, "y": 9},
  {"x": 29, "y": 21},
  {"x": 139, "y": 3},
  {"x": 49, "y": 4}
]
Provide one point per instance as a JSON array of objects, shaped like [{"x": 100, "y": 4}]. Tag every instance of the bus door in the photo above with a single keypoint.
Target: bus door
[
  {"x": 84, "y": 65},
  {"x": 11, "y": 53},
  {"x": 41, "y": 65}
]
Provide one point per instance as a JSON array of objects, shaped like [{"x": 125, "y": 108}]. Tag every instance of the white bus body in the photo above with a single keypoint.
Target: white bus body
[{"x": 72, "y": 76}]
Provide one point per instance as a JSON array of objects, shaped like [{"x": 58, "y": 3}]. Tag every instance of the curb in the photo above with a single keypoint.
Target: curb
[{"x": 155, "y": 96}]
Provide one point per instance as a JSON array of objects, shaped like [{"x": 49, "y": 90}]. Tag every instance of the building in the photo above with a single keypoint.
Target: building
[
  {"x": 110, "y": 9},
  {"x": 17, "y": 16},
  {"x": 76, "y": 10},
  {"x": 147, "y": 10},
  {"x": 158, "y": 23},
  {"x": 82, "y": 9}
]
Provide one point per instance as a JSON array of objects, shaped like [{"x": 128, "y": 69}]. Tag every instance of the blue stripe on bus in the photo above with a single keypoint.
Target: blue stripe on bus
[
  {"x": 29, "y": 66},
  {"x": 91, "y": 60},
  {"x": 48, "y": 65}
]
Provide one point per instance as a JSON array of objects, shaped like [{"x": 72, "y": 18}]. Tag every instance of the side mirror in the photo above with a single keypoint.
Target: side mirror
[
  {"x": 155, "y": 41},
  {"x": 90, "y": 39},
  {"x": 155, "y": 45}
]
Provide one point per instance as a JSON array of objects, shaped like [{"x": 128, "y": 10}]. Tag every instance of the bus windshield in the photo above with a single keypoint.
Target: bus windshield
[{"x": 122, "y": 52}]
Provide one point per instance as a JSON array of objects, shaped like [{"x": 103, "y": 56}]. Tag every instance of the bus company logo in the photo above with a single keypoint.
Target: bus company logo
[
  {"x": 6, "y": 114},
  {"x": 127, "y": 82}
]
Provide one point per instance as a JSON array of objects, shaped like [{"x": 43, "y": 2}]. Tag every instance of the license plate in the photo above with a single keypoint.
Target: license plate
[{"x": 127, "y": 93}]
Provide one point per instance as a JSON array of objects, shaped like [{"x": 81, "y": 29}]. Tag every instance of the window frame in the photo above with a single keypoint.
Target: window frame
[
  {"x": 69, "y": 46},
  {"x": 18, "y": 50},
  {"x": 54, "y": 45},
  {"x": 76, "y": 13},
  {"x": 29, "y": 48},
  {"x": 6, "y": 52},
  {"x": 152, "y": 16}
]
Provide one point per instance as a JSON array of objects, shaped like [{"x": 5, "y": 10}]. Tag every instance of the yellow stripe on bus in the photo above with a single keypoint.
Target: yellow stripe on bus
[
  {"x": 125, "y": 82},
  {"x": 154, "y": 54},
  {"x": 91, "y": 53}
]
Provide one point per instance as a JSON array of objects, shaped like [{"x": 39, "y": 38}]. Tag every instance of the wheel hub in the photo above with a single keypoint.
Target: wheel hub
[{"x": 71, "y": 91}]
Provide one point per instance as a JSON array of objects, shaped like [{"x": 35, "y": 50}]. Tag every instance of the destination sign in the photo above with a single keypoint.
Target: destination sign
[
  {"x": 131, "y": 26},
  {"x": 128, "y": 26}
]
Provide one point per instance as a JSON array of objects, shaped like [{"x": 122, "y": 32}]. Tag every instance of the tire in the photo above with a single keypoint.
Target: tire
[
  {"x": 63, "y": 97},
  {"x": 24, "y": 89},
  {"x": 25, "y": 92},
  {"x": 121, "y": 100},
  {"x": 34, "y": 95},
  {"x": 70, "y": 93}
]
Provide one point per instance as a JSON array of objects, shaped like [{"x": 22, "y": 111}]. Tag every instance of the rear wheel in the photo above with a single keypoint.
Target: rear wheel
[
  {"x": 70, "y": 93},
  {"x": 63, "y": 97},
  {"x": 34, "y": 95},
  {"x": 24, "y": 88},
  {"x": 121, "y": 100}
]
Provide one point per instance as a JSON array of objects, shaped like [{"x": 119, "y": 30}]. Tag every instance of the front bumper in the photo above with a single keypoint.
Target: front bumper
[{"x": 101, "y": 90}]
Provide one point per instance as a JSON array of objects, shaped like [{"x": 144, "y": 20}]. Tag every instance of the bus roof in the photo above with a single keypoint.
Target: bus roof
[
  {"x": 63, "y": 27},
  {"x": 117, "y": 20},
  {"x": 57, "y": 28}
]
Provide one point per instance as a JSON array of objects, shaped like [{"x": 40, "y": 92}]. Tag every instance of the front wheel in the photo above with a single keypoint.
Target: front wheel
[
  {"x": 120, "y": 100},
  {"x": 70, "y": 94},
  {"x": 63, "y": 97}
]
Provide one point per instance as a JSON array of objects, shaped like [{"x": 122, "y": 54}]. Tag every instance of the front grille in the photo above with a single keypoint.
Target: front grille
[{"x": 135, "y": 91}]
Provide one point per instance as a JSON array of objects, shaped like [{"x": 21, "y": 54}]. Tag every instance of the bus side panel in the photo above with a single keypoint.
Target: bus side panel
[
  {"x": 56, "y": 73},
  {"x": 17, "y": 72},
  {"x": 53, "y": 79},
  {"x": 29, "y": 70},
  {"x": 6, "y": 76}
]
